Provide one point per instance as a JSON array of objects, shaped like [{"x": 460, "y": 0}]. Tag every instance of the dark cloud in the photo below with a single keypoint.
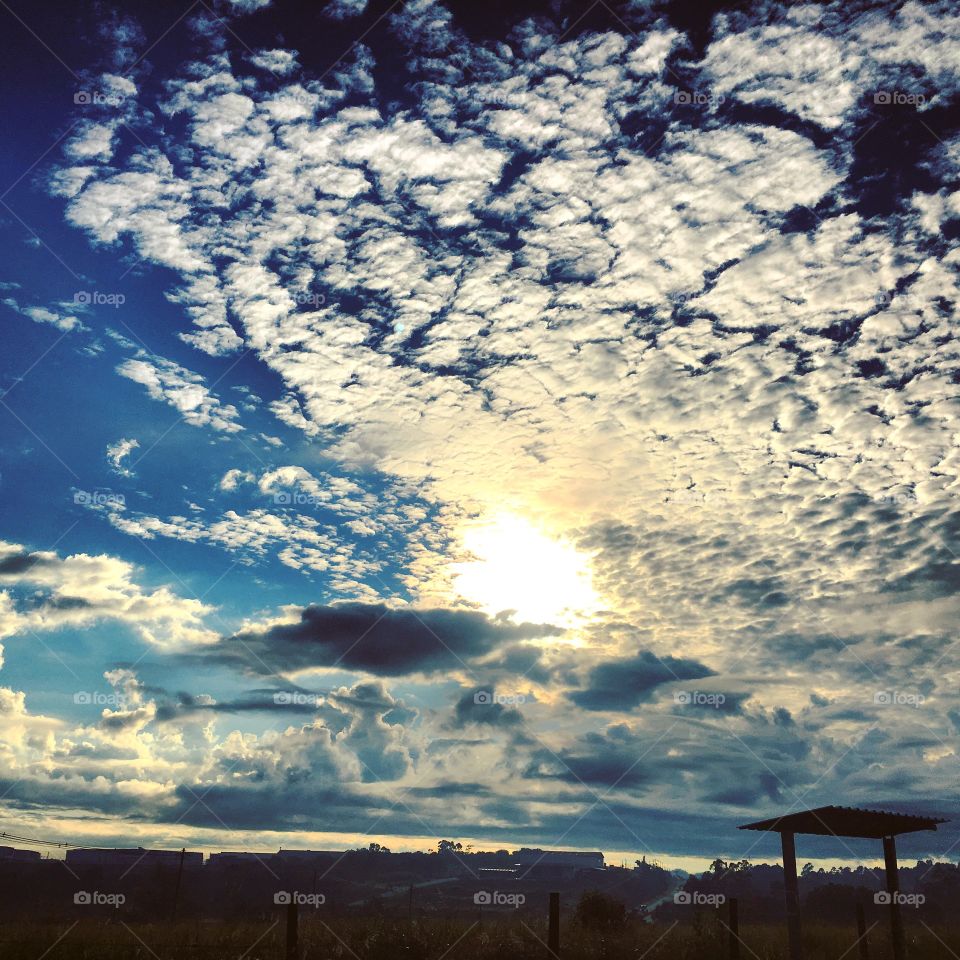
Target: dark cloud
[
  {"x": 625, "y": 683},
  {"x": 607, "y": 765},
  {"x": 764, "y": 786},
  {"x": 482, "y": 706},
  {"x": 21, "y": 563},
  {"x": 373, "y": 638}
]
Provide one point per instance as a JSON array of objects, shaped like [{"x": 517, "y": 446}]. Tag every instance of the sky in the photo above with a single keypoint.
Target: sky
[{"x": 519, "y": 423}]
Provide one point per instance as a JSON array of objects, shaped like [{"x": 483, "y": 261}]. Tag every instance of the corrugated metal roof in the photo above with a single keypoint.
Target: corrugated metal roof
[{"x": 846, "y": 822}]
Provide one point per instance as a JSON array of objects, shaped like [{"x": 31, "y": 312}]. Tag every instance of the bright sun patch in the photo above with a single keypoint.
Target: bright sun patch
[{"x": 517, "y": 567}]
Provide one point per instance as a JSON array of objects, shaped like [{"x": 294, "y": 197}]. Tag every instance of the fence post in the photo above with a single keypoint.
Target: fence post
[
  {"x": 862, "y": 933},
  {"x": 553, "y": 930},
  {"x": 734, "y": 928},
  {"x": 293, "y": 949}
]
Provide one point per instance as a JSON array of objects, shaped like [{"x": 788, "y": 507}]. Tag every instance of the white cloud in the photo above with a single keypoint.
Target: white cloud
[
  {"x": 233, "y": 478},
  {"x": 342, "y": 9},
  {"x": 118, "y": 452},
  {"x": 61, "y": 318},
  {"x": 79, "y": 590},
  {"x": 279, "y": 62},
  {"x": 182, "y": 389}
]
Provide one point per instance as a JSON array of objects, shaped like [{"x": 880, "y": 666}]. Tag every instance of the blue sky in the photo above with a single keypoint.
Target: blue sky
[{"x": 529, "y": 427}]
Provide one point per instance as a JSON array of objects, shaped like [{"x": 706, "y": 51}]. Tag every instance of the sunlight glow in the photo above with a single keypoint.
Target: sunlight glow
[{"x": 517, "y": 567}]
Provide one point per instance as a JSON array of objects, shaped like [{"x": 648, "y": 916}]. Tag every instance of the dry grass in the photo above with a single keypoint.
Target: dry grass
[{"x": 437, "y": 939}]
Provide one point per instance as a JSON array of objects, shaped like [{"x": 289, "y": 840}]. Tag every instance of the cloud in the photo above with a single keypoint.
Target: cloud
[
  {"x": 373, "y": 638},
  {"x": 481, "y": 707},
  {"x": 680, "y": 301},
  {"x": 343, "y": 9},
  {"x": 63, "y": 318},
  {"x": 279, "y": 62},
  {"x": 117, "y": 452},
  {"x": 181, "y": 389},
  {"x": 622, "y": 684},
  {"x": 234, "y": 477},
  {"x": 80, "y": 589}
]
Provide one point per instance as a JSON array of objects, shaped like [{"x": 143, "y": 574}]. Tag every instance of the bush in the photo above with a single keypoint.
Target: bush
[{"x": 599, "y": 911}]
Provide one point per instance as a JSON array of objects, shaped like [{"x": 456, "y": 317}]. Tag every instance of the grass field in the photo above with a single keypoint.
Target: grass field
[{"x": 705, "y": 938}]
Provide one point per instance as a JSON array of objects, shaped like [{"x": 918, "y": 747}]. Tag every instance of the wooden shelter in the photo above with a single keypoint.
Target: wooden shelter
[{"x": 843, "y": 822}]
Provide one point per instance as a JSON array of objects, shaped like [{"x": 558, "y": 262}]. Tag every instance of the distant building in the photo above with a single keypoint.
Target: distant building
[
  {"x": 130, "y": 857},
  {"x": 20, "y": 856},
  {"x": 237, "y": 858},
  {"x": 307, "y": 856},
  {"x": 527, "y": 856}
]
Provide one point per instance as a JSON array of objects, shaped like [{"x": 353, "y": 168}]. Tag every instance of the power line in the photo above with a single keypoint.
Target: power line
[{"x": 43, "y": 843}]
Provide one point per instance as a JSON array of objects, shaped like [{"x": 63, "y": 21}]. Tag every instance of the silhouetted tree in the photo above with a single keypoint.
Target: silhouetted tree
[{"x": 599, "y": 911}]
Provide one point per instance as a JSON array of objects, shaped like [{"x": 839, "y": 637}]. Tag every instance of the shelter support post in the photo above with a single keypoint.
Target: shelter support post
[
  {"x": 792, "y": 894},
  {"x": 893, "y": 889}
]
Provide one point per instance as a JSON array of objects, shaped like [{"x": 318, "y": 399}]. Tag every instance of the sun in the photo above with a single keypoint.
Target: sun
[{"x": 517, "y": 567}]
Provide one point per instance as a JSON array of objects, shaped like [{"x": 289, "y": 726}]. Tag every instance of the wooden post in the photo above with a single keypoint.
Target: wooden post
[
  {"x": 734, "y": 928},
  {"x": 553, "y": 930},
  {"x": 792, "y": 895},
  {"x": 893, "y": 888},
  {"x": 293, "y": 948},
  {"x": 176, "y": 889},
  {"x": 862, "y": 933}
]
